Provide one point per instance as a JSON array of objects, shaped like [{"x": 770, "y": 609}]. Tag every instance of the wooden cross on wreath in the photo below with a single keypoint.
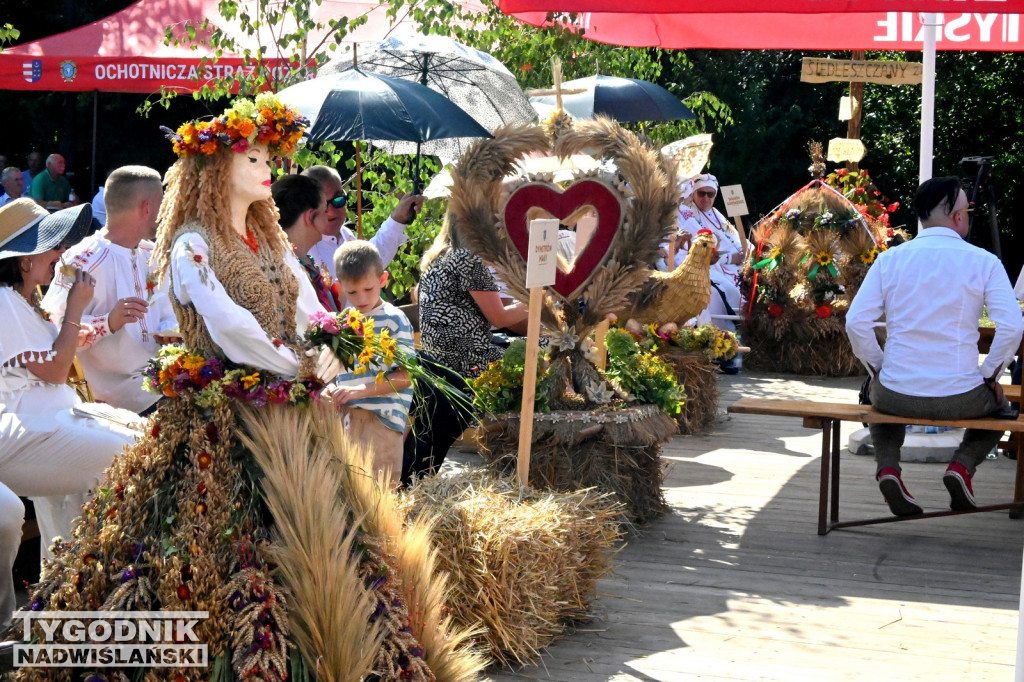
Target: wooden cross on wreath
[
  {"x": 557, "y": 90},
  {"x": 856, "y": 72}
]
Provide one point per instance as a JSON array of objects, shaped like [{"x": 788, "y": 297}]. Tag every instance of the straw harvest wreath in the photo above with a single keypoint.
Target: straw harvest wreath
[{"x": 635, "y": 207}]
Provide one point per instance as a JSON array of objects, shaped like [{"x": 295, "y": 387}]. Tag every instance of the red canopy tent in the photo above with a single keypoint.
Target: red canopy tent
[
  {"x": 126, "y": 52},
  {"x": 886, "y": 30},
  {"x": 743, "y": 6}
]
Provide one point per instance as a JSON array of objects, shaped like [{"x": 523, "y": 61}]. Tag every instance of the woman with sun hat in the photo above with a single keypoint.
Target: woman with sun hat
[{"x": 47, "y": 453}]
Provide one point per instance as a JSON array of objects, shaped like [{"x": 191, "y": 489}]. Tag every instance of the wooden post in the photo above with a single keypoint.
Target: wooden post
[
  {"x": 857, "y": 99},
  {"x": 529, "y": 386},
  {"x": 744, "y": 245},
  {"x": 600, "y": 331},
  {"x": 359, "y": 192}
]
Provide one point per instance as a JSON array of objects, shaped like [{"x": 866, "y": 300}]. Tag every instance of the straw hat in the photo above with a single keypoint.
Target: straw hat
[{"x": 26, "y": 228}]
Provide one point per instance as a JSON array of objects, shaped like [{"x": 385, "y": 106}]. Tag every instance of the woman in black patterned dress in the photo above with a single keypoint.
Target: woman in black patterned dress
[{"x": 459, "y": 303}]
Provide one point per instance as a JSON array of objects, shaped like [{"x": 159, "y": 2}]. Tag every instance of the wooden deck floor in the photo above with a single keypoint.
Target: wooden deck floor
[{"x": 735, "y": 584}]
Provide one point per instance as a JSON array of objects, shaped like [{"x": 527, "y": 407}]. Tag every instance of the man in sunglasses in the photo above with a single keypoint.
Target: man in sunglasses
[
  {"x": 930, "y": 291},
  {"x": 387, "y": 239}
]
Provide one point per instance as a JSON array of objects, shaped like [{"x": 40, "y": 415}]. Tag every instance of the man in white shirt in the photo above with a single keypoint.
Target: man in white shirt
[
  {"x": 387, "y": 239},
  {"x": 129, "y": 310},
  {"x": 930, "y": 292},
  {"x": 11, "y": 180}
]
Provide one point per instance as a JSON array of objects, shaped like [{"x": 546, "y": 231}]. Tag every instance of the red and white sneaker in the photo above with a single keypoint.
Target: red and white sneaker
[
  {"x": 896, "y": 495},
  {"x": 958, "y": 483}
]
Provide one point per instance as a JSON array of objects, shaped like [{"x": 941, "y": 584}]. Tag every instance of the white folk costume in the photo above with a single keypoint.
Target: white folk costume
[
  {"x": 726, "y": 298},
  {"x": 113, "y": 365},
  {"x": 46, "y": 452}
]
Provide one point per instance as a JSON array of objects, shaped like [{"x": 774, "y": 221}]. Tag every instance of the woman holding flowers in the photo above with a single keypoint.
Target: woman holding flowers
[{"x": 210, "y": 502}]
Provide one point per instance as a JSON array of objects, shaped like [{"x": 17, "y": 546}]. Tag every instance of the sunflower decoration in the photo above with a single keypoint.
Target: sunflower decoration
[
  {"x": 557, "y": 124},
  {"x": 868, "y": 257},
  {"x": 822, "y": 250}
]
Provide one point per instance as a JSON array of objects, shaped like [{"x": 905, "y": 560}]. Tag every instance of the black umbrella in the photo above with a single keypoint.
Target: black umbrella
[
  {"x": 625, "y": 99},
  {"x": 356, "y": 105}
]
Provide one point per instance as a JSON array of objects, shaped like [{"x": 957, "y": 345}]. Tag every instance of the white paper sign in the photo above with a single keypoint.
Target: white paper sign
[
  {"x": 735, "y": 204},
  {"x": 845, "y": 149},
  {"x": 847, "y": 107},
  {"x": 542, "y": 261}
]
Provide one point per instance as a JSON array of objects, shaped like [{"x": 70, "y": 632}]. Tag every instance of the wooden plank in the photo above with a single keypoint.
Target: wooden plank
[
  {"x": 818, "y": 70},
  {"x": 860, "y": 413}
]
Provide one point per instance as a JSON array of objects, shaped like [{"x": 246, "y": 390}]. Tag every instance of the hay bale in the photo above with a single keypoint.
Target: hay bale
[
  {"x": 699, "y": 376},
  {"x": 617, "y": 451},
  {"x": 523, "y": 567}
]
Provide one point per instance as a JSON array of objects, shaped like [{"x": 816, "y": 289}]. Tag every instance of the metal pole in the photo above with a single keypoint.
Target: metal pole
[
  {"x": 95, "y": 115},
  {"x": 931, "y": 24}
]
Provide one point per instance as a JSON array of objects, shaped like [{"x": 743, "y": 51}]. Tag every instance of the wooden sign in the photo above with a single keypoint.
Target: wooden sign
[
  {"x": 542, "y": 261},
  {"x": 845, "y": 149},
  {"x": 735, "y": 204},
  {"x": 817, "y": 70}
]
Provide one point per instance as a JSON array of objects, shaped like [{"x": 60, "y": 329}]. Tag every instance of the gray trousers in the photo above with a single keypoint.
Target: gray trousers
[{"x": 888, "y": 438}]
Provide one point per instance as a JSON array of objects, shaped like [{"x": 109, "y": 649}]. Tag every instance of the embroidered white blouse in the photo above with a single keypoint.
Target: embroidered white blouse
[
  {"x": 231, "y": 326},
  {"x": 113, "y": 365}
]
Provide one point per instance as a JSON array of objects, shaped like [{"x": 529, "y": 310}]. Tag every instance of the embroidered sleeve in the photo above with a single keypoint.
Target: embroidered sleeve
[
  {"x": 389, "y": 239},
  {"x": 231, "y": 326}
]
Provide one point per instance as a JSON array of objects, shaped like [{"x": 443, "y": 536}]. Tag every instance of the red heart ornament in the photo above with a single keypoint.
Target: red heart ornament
[{"x": 562, "y": 205}]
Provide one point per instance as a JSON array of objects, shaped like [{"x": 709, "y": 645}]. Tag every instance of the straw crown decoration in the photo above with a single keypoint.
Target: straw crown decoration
[{"x": 246, "y": 122}]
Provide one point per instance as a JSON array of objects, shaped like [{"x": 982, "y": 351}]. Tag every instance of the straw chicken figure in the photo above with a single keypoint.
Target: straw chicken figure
[{"x": 676, "y": 296}]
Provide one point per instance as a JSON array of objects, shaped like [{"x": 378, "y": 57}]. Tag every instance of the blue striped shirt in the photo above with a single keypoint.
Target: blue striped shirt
[{"x": 391, "y": 408}]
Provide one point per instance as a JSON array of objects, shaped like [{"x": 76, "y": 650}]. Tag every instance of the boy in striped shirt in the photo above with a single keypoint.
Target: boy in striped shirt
[{"x": 375, "y": 413}]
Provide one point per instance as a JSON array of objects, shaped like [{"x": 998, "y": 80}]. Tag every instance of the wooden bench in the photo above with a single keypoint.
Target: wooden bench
[{"x": 828, "y": 416}]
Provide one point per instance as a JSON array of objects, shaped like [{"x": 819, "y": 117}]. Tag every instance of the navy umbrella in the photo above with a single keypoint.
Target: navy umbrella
[
  {"x": 627, "y": 100},
  {"x": 357, "y": 105}
]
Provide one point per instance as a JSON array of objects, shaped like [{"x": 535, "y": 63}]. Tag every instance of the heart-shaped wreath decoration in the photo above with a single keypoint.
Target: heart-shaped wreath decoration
[{"x": 636, "y": 212}]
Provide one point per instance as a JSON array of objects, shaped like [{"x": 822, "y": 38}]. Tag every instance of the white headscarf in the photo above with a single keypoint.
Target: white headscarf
[{"x": 705, "y": 180}]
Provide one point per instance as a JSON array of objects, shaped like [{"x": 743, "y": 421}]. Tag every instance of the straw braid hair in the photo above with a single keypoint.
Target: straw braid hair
[{"x": 196, "y": 201}]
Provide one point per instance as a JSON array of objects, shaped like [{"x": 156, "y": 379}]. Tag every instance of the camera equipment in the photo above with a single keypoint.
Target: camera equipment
[{"x": 977, "y": 179}]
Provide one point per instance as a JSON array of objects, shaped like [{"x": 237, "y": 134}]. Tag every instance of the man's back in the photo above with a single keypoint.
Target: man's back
[{"x": 931, "y": 292}]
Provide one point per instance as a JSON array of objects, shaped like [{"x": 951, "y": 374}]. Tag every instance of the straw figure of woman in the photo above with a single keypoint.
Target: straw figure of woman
[{"x": 244, "y": 499}]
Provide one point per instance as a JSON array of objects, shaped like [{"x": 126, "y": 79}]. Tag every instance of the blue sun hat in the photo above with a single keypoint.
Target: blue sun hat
[{"x": 26, "y": 228}]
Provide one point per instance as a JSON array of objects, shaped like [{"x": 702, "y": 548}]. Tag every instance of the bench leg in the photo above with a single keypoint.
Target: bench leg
[
  {"x": 835, "y": 470},
  {"x": 826, "y": 466},
  {"x": 1018, "y": 479}
]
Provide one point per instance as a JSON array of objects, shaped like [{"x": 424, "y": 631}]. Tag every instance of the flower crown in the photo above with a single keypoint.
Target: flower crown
[{"x": 245, "y": 123}]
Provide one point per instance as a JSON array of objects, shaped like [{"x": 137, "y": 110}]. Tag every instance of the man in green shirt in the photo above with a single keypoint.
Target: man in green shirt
[{"x": 52, "y": 189}]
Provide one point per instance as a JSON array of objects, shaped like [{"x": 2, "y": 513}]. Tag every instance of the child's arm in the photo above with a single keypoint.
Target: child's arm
[{"x": 394, "y": 381}]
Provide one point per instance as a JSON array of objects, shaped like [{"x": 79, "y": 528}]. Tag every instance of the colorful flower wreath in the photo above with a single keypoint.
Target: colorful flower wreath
[
  {"x": 208, "y": 381},
  {"x": 245, "y": 123}
]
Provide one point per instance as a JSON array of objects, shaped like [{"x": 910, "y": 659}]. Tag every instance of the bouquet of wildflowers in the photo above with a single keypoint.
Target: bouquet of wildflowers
[{"x": 354, "y": 341}]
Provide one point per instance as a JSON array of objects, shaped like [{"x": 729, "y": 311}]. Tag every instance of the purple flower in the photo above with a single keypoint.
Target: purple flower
[
  {"x": 258, "y": 396},
  {"x": 212, "y": 369},
  {"x": 234, "y": 390},
  {"x": 127, "y": 575},
  {"x": 37, "y": 604},
  {"x": 278, "y": 392},
  {"x": 182, "y": 382}
]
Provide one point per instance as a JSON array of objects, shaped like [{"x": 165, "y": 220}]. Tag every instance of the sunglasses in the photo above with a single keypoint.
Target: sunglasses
[
  {"x": 706, "y": 193},
  {"x": 338, "y": 201}
]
